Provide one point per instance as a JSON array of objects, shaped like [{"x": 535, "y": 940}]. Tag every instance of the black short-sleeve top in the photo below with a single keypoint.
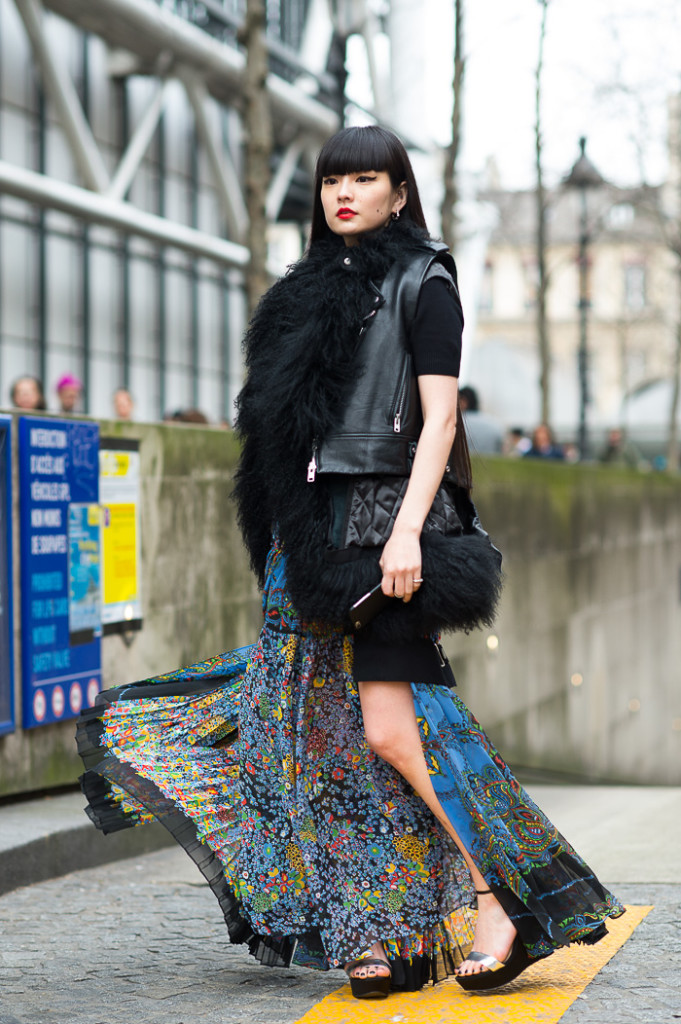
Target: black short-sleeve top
[
  {"x": 435, "y": 337},
  {"x": 435, "y": 342}
]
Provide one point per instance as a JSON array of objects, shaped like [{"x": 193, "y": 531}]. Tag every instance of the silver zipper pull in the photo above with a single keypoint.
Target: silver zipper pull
[
  {"x": 312, "y": 466},
  {"x": 397, "y": 423},
  {"x": 440, "y": 653}
]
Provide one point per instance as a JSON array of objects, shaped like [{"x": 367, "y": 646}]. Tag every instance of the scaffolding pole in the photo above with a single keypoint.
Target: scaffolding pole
[
  {"x": 98, "y": 209},
  {"x": 145, "y": 29},
  {"x": 61, "y": 91}
]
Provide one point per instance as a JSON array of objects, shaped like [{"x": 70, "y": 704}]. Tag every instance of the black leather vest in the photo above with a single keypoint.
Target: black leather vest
[{"x": 383, "y": 419}]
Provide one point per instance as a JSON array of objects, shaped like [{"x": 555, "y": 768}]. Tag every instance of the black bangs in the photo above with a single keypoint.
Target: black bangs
[
  {"x": 367, "y": 148},
  {"x": 370, "y": 148}
]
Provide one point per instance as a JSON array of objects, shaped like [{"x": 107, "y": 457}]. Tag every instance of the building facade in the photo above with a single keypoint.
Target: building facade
[
  {"x": 632, "y": 305},
  {"x": 122, "y": 214}
]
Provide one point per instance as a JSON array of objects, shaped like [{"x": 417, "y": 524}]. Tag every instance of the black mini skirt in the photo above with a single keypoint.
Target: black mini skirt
[{"x": 419, "y": 661}]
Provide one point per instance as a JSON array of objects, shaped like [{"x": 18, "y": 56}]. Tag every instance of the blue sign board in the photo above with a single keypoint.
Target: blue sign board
[
  {"x": 60, "y": 567},
  {"x": 6, "y": 625}
]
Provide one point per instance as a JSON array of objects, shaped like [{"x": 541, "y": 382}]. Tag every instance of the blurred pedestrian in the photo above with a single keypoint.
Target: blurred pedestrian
[
  {"x": 123, "y": 404},
  {"x": 69, "y": 389},
  {"x": 485, "y": 433},
  {"x": 544, "y": 445},
  {"x": 185, "y": 416},
  {"x": 620, "y": 451},
  {"x": 27, "y": 393},
  {"x": 516, "y": 443}
]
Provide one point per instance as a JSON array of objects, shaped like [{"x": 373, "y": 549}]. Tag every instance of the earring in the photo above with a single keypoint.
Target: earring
[{"x": 395, "y": 215}]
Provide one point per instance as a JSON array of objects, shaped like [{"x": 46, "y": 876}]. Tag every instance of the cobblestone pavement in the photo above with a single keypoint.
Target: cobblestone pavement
[
  {"x": 642, "y": 982},
  {"x": 142, "y": 942}
]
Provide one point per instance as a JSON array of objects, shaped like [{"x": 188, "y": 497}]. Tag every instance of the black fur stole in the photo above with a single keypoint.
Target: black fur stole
[{"x": 299, "y": 350}]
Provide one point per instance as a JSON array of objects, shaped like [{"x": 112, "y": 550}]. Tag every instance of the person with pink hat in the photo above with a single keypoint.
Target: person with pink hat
[{"x": 69, "y": 389}]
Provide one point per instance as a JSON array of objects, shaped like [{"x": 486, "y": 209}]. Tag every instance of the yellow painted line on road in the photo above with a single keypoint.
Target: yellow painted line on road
[{"x": 539, "y": 996}]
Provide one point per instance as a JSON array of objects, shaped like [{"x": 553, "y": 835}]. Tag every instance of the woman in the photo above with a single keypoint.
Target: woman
[
  {"x": 543, "y": 445},
  {"x": 27, "y": 393},
  {"x": 361, "y": 808}
]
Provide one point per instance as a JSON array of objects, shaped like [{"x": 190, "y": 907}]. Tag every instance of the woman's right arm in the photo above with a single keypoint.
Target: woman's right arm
[
  {"x": 435, "y": 342},
  {"x": 401, "y": 558}
]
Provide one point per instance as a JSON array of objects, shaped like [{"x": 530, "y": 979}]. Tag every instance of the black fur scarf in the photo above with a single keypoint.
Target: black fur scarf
[{"x": 300, "y": 350}]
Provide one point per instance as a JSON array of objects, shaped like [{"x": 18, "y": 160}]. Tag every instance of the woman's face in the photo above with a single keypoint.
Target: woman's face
[
  {"x": 360, "y": 202},
  {"x": 542, "y": 436},
  {"x": 25, "y": 394}
]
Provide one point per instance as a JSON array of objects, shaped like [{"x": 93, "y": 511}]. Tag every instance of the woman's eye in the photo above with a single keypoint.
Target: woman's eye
[
  {"x": 366, "y": 177},
  {"x": 328, "y": 181}
]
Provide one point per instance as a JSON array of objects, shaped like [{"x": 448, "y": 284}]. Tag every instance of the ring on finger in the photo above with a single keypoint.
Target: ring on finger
[{"x": 417, "y": 581}]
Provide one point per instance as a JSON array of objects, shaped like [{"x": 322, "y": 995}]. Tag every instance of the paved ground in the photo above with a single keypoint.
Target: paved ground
[
  {"x": 137, "y": 942},
  {"x": 141, "y": 941},
  {"x": 41, "y": 839}
]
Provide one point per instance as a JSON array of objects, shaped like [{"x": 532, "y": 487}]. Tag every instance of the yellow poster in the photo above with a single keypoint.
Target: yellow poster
[
  {"x": 113, "y": 463},
  {"x": 120, "y": 553},
  {"x": 119, "y": 496}
]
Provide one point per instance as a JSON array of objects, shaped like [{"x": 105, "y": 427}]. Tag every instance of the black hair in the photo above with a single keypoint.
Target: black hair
[
  {"x": 368, "y": 148},
  {"x": 469, "y": 397}
]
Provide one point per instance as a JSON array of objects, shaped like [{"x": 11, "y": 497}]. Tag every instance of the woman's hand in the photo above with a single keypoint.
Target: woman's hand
[{"x": 401, "y": 564}]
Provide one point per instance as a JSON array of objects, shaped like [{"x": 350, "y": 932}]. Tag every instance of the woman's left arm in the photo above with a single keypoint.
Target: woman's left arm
[{"x": 401, "y": 558}]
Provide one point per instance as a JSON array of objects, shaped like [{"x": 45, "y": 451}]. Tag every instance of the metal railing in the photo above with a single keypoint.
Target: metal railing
[{"x": 222, "y": 19}]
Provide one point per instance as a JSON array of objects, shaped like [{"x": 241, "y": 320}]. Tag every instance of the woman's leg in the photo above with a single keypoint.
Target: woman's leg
[{"x": 392, "y": 732}]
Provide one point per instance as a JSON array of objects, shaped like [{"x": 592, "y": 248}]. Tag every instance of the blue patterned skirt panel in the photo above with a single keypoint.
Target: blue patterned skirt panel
[{"x": 257, "y": 762}]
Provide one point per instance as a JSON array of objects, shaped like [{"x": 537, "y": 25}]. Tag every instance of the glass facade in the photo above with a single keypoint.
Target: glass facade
[
  {"x": 221, "y": 18},
  {"x": 116, "y": 310}
]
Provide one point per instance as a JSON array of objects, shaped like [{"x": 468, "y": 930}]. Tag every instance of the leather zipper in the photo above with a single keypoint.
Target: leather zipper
[
  {"x": 312, "y": 464},
  {"x": 401, "y": 396}
]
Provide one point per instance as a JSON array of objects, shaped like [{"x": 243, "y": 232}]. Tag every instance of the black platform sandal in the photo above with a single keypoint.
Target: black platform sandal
[
  {"x": 497, "y": 972},
  {"x": 375, "y": 986}
]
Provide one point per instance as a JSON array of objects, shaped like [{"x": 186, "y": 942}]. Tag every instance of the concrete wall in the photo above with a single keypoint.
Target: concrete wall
[
  {"x": 582, "y": 672},
  {"x": 593, "y": 564}
]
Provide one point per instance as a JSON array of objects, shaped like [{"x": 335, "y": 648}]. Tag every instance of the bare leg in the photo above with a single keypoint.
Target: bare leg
[{"x": 392, "y": 732}]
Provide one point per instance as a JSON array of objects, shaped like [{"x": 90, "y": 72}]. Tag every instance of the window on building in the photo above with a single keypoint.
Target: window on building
[
  {"x": 486, "y": 301},
  {"x": 634, "y": 286},
  {"x": 621, "y": 215}
]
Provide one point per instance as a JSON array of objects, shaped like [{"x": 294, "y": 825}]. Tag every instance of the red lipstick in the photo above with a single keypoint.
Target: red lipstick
[{"x": 345, "y": 213}]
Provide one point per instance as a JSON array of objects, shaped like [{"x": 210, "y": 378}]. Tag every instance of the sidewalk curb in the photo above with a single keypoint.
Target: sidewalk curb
[{"x": 74, "y": 849}]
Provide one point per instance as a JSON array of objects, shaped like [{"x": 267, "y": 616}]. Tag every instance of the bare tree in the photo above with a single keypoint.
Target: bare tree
[
  {"x": 666, "y": 215},
  {"x": 258, "y": 147},
  {"x": 669, "y": 228},
  {"x": 451, "y": 194},
  {"x": 674, "y": 243},
  {"x": 540, "y": 199},
  {"x": 665, "y": 211},
  {"x": 675, "y": 246}
]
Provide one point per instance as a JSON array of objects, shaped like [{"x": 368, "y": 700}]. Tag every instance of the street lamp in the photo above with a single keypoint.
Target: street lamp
[{"x": 582, "y": 177}]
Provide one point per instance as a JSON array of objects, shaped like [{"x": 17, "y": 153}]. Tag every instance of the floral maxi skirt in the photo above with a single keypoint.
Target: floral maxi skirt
[{"x": 256, "y": 761}]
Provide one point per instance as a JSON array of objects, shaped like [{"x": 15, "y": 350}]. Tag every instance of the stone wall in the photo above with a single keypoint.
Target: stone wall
[
  {"x": 593, "y": 566},
  {"x": 581, "y": 674}
]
